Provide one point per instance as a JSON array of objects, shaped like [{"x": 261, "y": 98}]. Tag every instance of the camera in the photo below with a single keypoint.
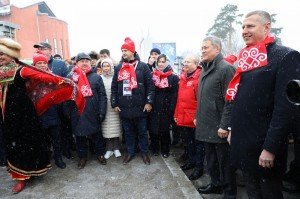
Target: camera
[{"x": 293, "y": 91}]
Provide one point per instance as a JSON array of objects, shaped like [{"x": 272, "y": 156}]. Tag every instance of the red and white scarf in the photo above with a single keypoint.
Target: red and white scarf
[
  {"x": 127, "y": 72},
  {"x": 251, "y": 57},
  {"x": 161, "y": 79},
  {"x": 83, "y": 83}
]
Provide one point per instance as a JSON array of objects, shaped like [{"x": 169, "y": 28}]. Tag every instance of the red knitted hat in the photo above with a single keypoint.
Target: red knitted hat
[
  {"x": 39, "y": 56},
  {"x": 129, "y": 45},
  {"x": 231, "y": 59}
]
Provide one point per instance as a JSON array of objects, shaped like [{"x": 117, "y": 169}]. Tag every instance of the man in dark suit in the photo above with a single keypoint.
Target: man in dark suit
[{"x": 261, "y": 114}]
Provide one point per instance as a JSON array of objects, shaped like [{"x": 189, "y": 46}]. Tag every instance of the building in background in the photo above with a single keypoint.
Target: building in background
[{"x": 33, "y": 24}]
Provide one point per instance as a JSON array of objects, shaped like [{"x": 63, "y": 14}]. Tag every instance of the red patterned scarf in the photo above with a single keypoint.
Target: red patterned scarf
[
  {"x": 161, "y": 79},
  {"x": 127, "y": 72},
  {"x": 80, "y": 78},
  {"x": 251, "y": 57},
  {"x": 46, "y": 89}
]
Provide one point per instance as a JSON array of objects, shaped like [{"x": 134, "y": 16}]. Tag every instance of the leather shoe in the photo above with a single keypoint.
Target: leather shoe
[
  {"x": 60, "y": 163},
  {"x": 197, "y": 173},
  {"x": 81, "y": 163},
  {"x": 210, "y": 188},
  {"x": 187, "y": 166},
  {"x": 102, "y": 160},
  {"x": 19, "y": 186},
  {"x": 127, "y": 159},
  {"x": 146, "y": 159}
]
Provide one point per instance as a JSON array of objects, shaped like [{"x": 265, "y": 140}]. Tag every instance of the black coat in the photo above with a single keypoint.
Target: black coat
[
  {"x": 132, "y": 106},
  {"x": 89, "y": 122},
  {"x": 162, "y": 114},
  {"x": 51, "y": 117},
  {"x": 261, "y": 113}
]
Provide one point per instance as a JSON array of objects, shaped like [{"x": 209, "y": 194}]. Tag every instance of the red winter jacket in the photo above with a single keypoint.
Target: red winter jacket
[{"x": 186, "y": 105}]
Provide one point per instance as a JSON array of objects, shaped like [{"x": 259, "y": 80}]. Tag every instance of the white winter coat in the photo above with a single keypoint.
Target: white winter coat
[{"x": 111, "y": 126}]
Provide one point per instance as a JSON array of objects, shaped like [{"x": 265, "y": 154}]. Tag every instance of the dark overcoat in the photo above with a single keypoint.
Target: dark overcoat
[
  {"x": 89, "y": 122},
  {"x": 213, "y": 112},
  {"x": 162, "y": 114},
  {"x": 261, "y": 113},
  {"x": 133, "y": 106}
]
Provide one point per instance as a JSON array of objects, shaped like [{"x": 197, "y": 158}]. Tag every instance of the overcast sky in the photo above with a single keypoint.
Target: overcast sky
[{"x": 95, "y": 24}]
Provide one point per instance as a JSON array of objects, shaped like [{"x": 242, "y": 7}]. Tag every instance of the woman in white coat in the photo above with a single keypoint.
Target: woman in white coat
[{"x": 111, "y": 126}]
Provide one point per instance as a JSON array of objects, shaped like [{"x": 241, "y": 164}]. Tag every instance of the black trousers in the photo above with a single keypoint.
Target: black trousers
[
  {"x": 54, "y": 132},
  {"x": 220, "y": 171},
  {"x": 161, "y": 142},
  {"x": 263, "y": 188},
  {"x": 82, "y": 145}
]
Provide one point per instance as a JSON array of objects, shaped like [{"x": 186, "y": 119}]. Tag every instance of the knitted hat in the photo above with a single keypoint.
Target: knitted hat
[
  {"x": 39, "y": 56},
  {"x": 10, "y": 47},
  {"x": 155, "y": 50},
  {"x": 57, "y": 55},
  {"x": 231, "y": 59},
  {"x": 107, "y": 60},
  {"x": 129, "y": 45}
]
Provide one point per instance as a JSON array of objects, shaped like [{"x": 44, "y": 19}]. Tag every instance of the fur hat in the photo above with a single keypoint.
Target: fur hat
[
  {"x": 10, "y": 47},
  {"x": 39, "y": 56},
  {"x": 129, "y": 44},
  {"x": 109, "y": 61},
  {"x": 156, "y": 50},
  {"x": 94, "y": 55},
  {"x": 231, "y": 59}
]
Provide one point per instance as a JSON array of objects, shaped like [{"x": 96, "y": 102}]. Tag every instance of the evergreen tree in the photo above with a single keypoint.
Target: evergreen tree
[
  {"x": 223, "y": 26},
  {"x": 275, "y": 31}
]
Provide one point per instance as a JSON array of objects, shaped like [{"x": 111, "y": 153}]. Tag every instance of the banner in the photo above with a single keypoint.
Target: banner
[{"x": 168, "y": 49}]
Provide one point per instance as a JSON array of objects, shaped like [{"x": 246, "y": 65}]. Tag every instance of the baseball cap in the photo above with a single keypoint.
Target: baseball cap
[{"x": 42, "y": 45}]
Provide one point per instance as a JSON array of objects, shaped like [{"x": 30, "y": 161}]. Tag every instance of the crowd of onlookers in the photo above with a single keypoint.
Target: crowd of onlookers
[{"x": 231, "y": 117}]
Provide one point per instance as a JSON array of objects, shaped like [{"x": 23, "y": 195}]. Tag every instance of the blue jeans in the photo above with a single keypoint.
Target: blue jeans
[{"x": 129, "y": 126}]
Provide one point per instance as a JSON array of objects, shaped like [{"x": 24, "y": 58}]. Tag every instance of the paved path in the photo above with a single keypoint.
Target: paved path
[{"x": 163, "y": 178}]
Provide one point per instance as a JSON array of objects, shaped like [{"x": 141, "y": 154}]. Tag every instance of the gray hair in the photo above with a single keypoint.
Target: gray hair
[
  {"x": 265, "y": 17},
  {"x": 215, "y": 41},
  {"x": 195, "y": 58}
]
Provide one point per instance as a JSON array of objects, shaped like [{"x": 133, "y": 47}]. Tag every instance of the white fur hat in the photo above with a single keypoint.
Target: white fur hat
[
  {"x": 10, "y": 47},
  {"x": 109, "y": 61}
]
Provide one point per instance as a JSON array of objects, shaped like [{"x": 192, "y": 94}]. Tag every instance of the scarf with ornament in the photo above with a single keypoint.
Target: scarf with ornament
[
  {"x": 127, "y": 73},
  {"x": 160, "y": 78},
  {"x": 7, "y": 73},
  {"x": 251, "y": 57},
  {"x": 46, "y": 89},
  {"x": 80, "y": 78}
]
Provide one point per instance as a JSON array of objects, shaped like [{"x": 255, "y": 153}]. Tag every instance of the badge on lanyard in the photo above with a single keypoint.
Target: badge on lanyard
[{"x": 126, "y": 88}]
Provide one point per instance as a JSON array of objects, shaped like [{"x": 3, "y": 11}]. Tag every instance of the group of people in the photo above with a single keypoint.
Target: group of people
[{"x": 235, "y": 118}]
